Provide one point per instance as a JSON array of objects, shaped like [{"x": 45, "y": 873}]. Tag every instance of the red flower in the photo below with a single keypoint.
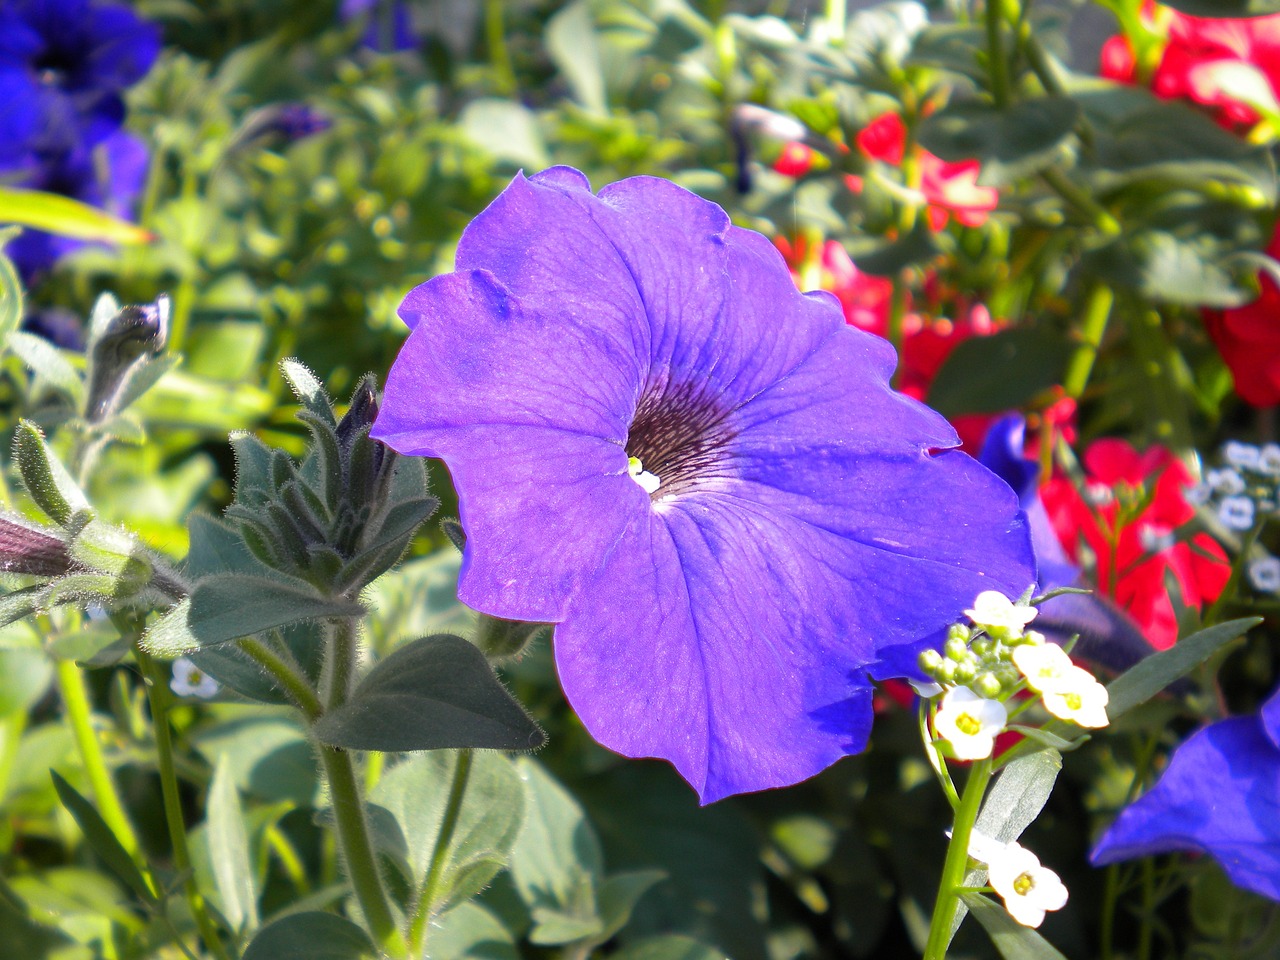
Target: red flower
[
  {"x": 795, "y": 160},
  {"x": 1133, "y": 548},
  {"x": 949, "y": 189},
  {"x": 926, "y": 341},
  {"x": 1248, "y": 338},
  {"x": 1231, "y": 66}
]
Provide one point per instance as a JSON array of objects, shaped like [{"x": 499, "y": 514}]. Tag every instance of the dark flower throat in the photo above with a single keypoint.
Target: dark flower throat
[{"x": 681, "y": 434}]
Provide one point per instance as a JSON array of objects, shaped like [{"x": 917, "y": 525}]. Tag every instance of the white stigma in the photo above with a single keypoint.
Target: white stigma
[{"x": 649, "y": 482}]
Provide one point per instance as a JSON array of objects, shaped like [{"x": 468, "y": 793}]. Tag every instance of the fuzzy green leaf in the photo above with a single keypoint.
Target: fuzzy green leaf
[
  {"x": 310, "y": 936},
  {"x": 101, "y": 838},
  {"x": 431, "y": 694}
]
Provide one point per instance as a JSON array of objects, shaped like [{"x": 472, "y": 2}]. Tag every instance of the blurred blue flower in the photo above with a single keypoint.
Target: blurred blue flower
[
  {"x": 1107, "y": 635},
  {"x": 699, "y": 474},
  {"x": 109, "y": 176},
  {"x": 1219, "y": 795},
  {"x": 63, "y": 67},
  {"x": 389, "y": 28},
  {"x": 280, "y": 123}
]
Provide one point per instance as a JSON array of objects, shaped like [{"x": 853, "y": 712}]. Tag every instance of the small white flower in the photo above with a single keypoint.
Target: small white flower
[
  {"x": 1197, "y": 495},
  {"x": 1264, "y": 574},
  {"x": 1225, "y": 481},
  {"x": 1269, "y": 459},
  {"x": 1244, "y": 455},
  {"x": 1236, "y": 513},
  {"x": 999, "y": 615},
  {"x": 1078, "y": 697},
  {"x": 1155, "y": 537},
  {"x": 1098, "y": 494},
  {"x": 969, "y": 723},
  {"x": 1027, "y": 888},
  {"x": 190, "y": 681},
  {"x": 1044, "y": 665}
]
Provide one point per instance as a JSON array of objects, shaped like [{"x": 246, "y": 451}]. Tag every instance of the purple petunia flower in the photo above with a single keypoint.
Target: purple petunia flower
[
  {"x": 1220, "y": 795},
  {"x": 699, "y": 474},
  {"x": 111, "y": 176},
  {"x": 63, "y": 66}
]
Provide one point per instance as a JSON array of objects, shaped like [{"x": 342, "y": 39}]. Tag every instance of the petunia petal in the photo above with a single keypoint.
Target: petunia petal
[
  {"x": 752, "y": 634},
  {"x": 1220, "y": 795}
]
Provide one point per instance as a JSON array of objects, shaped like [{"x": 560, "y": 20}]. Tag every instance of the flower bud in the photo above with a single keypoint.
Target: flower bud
[
  {"x": 956, "y": 648},
  {"x": 987, "y": 685},
  {"x": 929, "y": 661}
]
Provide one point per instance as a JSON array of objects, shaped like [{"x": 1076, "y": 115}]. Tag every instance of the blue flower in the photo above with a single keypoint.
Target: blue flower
[
  {"x": 699, "y": 474},
  {"x": 110, "y": 176},
  {"x": 1220, "y": 795},
  {"x": 1107, "y": 636},
  {"x": 389, "y": 29},
  {"x": 63, "y": 66}
]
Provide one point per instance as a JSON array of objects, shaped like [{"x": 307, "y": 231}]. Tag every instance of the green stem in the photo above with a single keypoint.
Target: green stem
[
  {"x": 957, "y": 863},
  {"x": 158, "y": 697},
  {"x": 504, "y": 75},
  {"x": 1097, "y": 313},
  {"x": 285, "y": 675},
  {"x": 357, "y": 850},
  {"x": 288, "y": 857},
  {"x": 80, "y": 716},
  {"x": 1083, "y": 204},
  {"x": 997, "y": 67},
  {"x": 440, "y": 855},
  {"x": 836, "y": 16},
  {"x": 11, "y": 730},
  {"x": 354, "y": 840}
]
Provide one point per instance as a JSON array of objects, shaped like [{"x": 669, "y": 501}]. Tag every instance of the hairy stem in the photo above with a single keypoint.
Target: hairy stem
[
  {"x": 354, "y": 840},
  {"x": 440, "y": 855}
]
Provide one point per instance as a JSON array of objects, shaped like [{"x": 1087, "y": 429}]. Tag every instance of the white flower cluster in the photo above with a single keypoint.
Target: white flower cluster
[
  {"x": 978, "y": 673},
  {"x": 1244, "y": 487}
]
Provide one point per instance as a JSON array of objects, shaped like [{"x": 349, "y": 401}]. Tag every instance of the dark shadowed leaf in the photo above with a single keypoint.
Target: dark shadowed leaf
[
  {"x": 310, "y": 936},
  {"x": 1225, "y": 9},
  {"x": 1001, "y": 372},
  {"x": 431, "y": 694},
  {"x": 100, "y": 838},
  {"x": 1010, "y": 143},
  {"x": 1012, "y": 939},
  {"x": 1159, "y": 670}
]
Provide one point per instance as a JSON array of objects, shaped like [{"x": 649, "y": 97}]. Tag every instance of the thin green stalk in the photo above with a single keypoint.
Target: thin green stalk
[
  {"x": 1093, "y": 327},
  {"x": 1083, "y": 204},
  {"x": 440, "y": 855},
  {"x": 997, "y": 67},
  {"x": 1146, "y": 931},
  {"x": 285, "y": 675},
  {"x": 957, "y": 863},
  {"x": 357, "y": 850},
  {"x": 158, "y": 696},
  {"x": 11, "y": 730},
  {"x": 354, "y": 840},
  {"x": 288, "y": 857},
  {"x": 504, "y": 74},
  {"x": 939, "y": 765},
  {"x": 837, "y": 15},
  {"x": 80, "y": 717}
]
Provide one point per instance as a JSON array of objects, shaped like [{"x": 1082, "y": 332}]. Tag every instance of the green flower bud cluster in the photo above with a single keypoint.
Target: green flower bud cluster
[
  {"x": 973, "y": 658},
  {"x": 346, "y": 512}
]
